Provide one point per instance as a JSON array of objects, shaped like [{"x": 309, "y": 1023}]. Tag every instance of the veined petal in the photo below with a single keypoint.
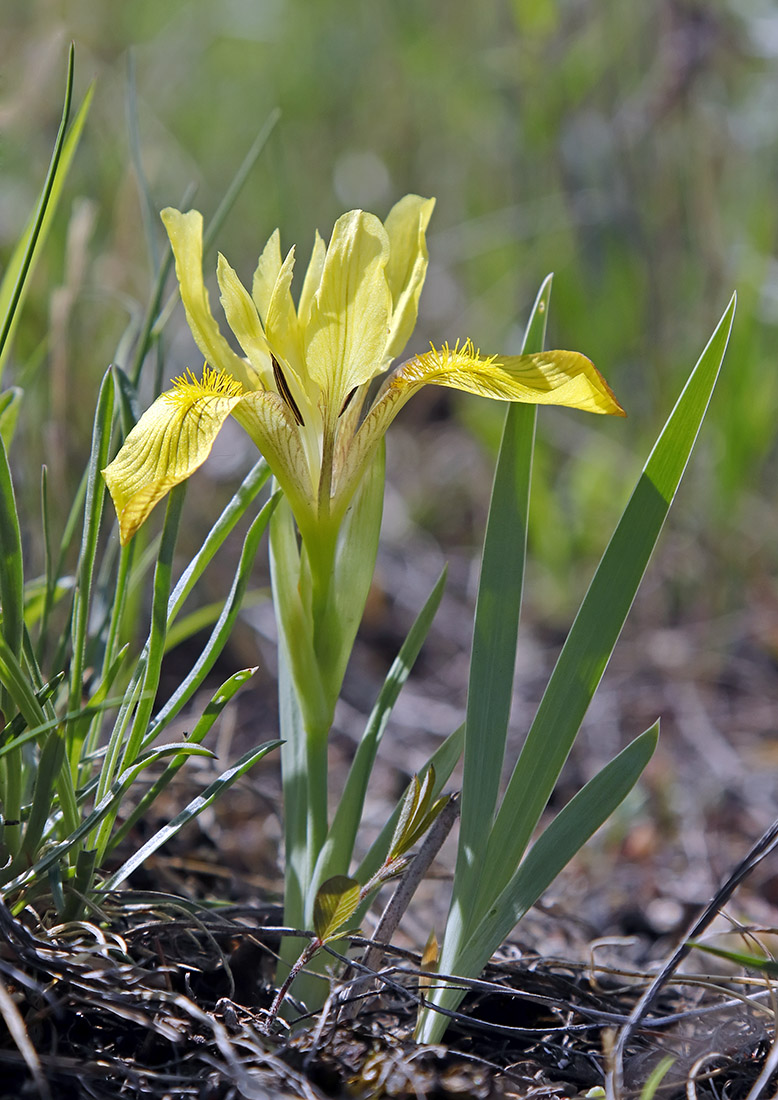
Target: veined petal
[
  {"x": 170, "y": 441},
  {"x": 312, "y": 280},
  {"x": 266, "y": 274},
  {"x": 186, "y": 238},
  {"x": 545, "y": 378},
  {"x": 346, "y": 334},
  {"x": 269, "y": 422},
  {"x": 283, "y": 331},
  {"x": 406, "y": 227},
  {"x": 243, "y": 319}
]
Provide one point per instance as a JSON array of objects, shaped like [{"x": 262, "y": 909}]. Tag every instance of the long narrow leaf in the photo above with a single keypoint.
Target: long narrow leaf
[
  {"x": 17, "y": 684},
  {"x": 16, "y": 278},
  {"x": 93, "y": 505},
  {"x": 107, "y": 804},
  {"x": 236, "y": 508},
  {"x": 336, "y": 853},
  {"x": 195, "y": 807},
  {"x": 223, "y": 628},
  {"x": 598, "y": 624},
  {"x": 10, "y": 403},
  {"x": 495, "y": 632},
  {"x": 565, "y": 836},
  {"x": 11, "y": 569},
  {"x": 204, "y": 724}
]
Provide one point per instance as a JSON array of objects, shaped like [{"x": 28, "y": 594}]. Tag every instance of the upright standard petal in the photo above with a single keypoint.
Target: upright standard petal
[
  {"x": 312, "y": 280},
  {"x": 186, "y": 238},
  {"x": 170, "y": 441},
  {"x": 346, "y": 334},
  {"x": 266, "y": 274},
  {"x": 243, "y": 319},
  {"x": 283, "y": 331},
  {"x": 406, "y": 227}
]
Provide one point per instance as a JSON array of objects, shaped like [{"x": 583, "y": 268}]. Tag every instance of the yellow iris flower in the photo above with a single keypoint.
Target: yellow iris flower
[{"x": 300, "y": 388}]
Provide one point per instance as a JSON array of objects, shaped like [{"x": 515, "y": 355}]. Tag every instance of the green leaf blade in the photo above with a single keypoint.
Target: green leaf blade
[
  {"x": 336, "y": 902},
  {"x": 597, "y": 626},
  {"x": 564, "y": 837}
]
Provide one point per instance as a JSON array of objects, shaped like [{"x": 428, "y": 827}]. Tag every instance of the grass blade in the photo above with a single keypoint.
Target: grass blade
[
  {"x": 10, "y": 403},
  {"x": 93, "y": 507},
  {"x": 223, "y": 628},
  {"x": 237, "y": 507},
  {"x": 217, "y": 704},
  {"x": 109, "y": 803},
  {"x": 11, "y": 568},
  {"x": 16, "y": 278},
  {"x": 195, "y": 807}
]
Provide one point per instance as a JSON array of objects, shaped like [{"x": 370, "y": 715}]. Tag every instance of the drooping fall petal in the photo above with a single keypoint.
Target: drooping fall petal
[
  {"x": 170, "y": 441},
  {"x": 545, "y": 378}
]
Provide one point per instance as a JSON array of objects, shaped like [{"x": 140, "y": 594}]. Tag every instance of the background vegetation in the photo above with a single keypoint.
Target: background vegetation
[{"x": 630, "y": 149}]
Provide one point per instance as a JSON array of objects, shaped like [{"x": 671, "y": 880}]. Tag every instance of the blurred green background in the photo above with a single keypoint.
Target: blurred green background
[{"x": 631, "y": 149}]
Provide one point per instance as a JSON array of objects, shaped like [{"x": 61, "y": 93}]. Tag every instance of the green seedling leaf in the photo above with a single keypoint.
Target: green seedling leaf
[
  {"x": 417, "y": 814},
  {"x": 407, "y": 811},
  {"x": 444, "y": 760},
  {"x": 336, "y": 902},
  {"x": 740, "y": 958},
  {"x": 656, "y": 1077}
]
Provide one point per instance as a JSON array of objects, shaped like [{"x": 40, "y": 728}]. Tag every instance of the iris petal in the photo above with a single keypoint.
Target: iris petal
[
  {"x": 406, "y": 228},
  {"x": 186, "y": 238},
  {"x": 170, "y": 441},
  {"x": 346, "y": 335},
  {"x": 546, "y": 378}
]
